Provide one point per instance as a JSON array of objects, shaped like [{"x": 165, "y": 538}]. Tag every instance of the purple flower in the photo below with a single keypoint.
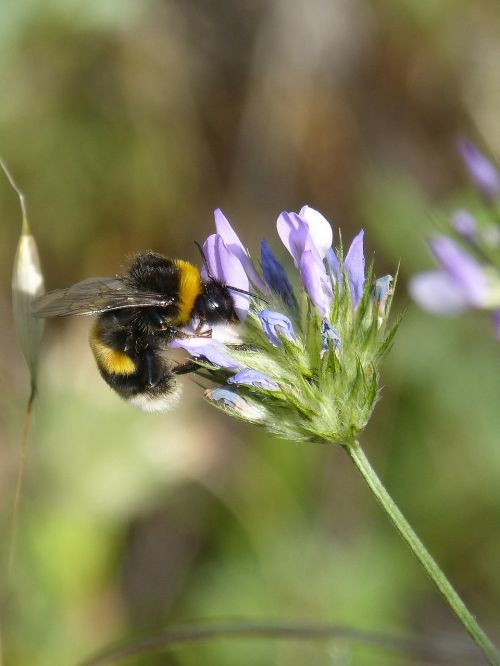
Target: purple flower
[
  {"x": 226, "y": 267},
  {"x": 249, "y": 377},
  {"x": 294, "y": 231},
  {"x": 465, "y": 224},
  {"x": 235, "y": 403},
  {"x": 275, "y": 275},
  {"x": 212, "y": 350},
  {"x": 333, "y": 263},
  {"x": 274, "y": 325},
  {"x": 329, "y": 334},
  {"x": 319, "y": 383},
  {"x": 355, "y": 268},
  {"x": 460, "y": 283},
  {"x": 320, "y": 229},
  {"x": 437, "y": 293},
  {"x": 465, "y": 271},
  {"x": 308, "y": 237},
  {"x": 482, "y": 172},
  {"x": 354, "y": 264},
  {"x": 382, "y": 288},
  {"x": 316, "y": 281},
  {"x": 236, "y": 248},
  {"x": 381, "y": 291}
]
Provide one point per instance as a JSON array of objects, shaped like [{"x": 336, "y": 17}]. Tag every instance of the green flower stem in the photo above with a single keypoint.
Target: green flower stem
[{"x": 362, "y": 463}]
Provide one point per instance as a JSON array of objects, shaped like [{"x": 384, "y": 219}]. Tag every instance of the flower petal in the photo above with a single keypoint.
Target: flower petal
[
  {"x": 275, "y": 324},
  {"x": 437, "y": 292},
  {"x": 382, "y": 288},
  {"x": 233, "y": 402},
  {"x": 236, "y": 247},
  {"x": 333, "y": 263},
  {"x": 213, "y": 351},
  {"x": 319, "y": 228},
  {"x": 464, "y": 270},
  {"x": 293, "y": 233},
  {"x": 329, "y": 334},
  {"x": 355, "y": 268},
  {"x": 465, "y": 224},
  {"x": 249, "y": 377},
  {"x": 275, "y": 275},
  {"x": 482, "y": 172},
  {"x": 316, "y": 282},
  {"x": 229, "y": 334},
  {"x": 227, "y": 268}
]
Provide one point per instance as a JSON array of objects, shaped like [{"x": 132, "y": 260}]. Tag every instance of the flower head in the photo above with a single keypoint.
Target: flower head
[
  {"x": 306, "y": 365},
  {"x": 461, "y": 281},
  {"x": 468, "y": 273}
]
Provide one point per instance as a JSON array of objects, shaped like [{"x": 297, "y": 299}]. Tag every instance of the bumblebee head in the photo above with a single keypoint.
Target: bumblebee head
[{"x": 214, "y": 304}]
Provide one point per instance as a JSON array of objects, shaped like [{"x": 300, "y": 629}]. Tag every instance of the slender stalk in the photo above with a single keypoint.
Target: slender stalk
[
  {"x": 363, "y": 465},
  {"x": 20, "y": 478},
  {"x": 176, "y": 637}
]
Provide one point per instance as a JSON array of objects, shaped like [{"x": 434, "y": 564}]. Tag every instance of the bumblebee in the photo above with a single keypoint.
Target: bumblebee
[{"x": 139, "y": 313}]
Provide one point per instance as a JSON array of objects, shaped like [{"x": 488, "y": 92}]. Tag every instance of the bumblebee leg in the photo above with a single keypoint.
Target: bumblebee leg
[
  {"x": 152, "y": 371},
  {"x": 185, "y": 368},
  {"x": 129, "y": 341},
  {"x": 199, "y": 330},
  {"x": 181, "y": 335},
  {"x": 205, "y": 334}
]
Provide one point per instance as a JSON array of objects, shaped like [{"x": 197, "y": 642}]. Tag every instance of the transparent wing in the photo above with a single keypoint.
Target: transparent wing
[{"x": 93, "y": 296}]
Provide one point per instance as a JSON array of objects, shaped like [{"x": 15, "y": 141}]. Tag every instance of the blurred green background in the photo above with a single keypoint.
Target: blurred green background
[{"x": 126, "y": 122}]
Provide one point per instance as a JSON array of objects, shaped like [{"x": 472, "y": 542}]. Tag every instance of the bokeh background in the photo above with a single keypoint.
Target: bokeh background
[{"x": 126, "y": 122}]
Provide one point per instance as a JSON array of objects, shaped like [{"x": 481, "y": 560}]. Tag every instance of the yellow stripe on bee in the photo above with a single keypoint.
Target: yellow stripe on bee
[
  {"x": 112, "y": 361},
  {"x": 189, "y": 289}
]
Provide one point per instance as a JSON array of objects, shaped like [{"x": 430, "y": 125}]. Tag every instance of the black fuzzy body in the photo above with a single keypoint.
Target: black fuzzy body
[
  {"x": 126, "y": 332},
  {"x": 142, "y": 334}
]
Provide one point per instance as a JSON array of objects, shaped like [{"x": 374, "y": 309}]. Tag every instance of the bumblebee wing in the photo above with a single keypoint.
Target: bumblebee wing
[{"x": 93, "y": 296}]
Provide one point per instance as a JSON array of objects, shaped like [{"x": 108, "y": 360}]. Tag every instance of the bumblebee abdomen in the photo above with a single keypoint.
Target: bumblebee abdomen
[
  {"x": 112, "y": 361},
  {"x": 143, "y": 378}
]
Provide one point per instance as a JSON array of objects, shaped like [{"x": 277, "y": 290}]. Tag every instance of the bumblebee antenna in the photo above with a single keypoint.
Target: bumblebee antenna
[
  {"x": 205, "y": 262},
  {"x": 247, "y": 293}
]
